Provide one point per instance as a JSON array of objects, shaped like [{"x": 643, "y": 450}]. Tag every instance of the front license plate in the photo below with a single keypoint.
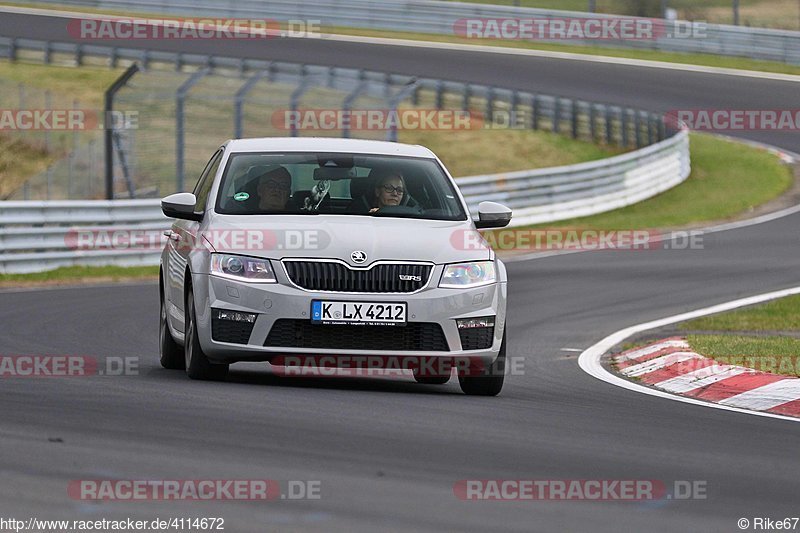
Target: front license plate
[{"x": 387, "y": 314}]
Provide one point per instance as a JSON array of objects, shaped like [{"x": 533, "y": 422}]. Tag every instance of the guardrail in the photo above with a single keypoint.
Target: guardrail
[
  {"x": 435, "y": 17},
  {"x": 552, "y": 194},
  {"x": 37, "y": 236}
]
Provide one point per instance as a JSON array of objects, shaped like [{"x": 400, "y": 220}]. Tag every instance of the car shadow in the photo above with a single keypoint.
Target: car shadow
[
  {"x": 265, "y": 375},
  {"x": 397, "y": 384}
]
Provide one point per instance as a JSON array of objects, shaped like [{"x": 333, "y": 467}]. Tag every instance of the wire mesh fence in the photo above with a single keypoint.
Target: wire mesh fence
[
  {"x": 68, "y": 159},
  {"x": 185, "y": 106}
]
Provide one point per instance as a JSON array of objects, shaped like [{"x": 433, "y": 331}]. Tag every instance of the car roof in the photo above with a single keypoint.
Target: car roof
[{"x": 328, "y": 145}]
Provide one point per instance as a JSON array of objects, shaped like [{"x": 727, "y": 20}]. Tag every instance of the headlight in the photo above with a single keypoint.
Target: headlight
[
  {"x": 468, "y": 275},
  {"x": 242, "y": 268}
]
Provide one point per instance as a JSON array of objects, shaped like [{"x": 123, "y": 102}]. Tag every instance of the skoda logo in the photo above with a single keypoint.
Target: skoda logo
[{"x": 358, "y": 257}]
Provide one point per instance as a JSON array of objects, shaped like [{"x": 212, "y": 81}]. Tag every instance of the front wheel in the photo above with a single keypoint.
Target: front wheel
[
  {"x": 197, "y": 364},
  {"x": 486, "y": 381}
]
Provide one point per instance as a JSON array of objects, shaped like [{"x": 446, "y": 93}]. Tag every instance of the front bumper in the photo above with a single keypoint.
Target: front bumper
[{"x": 273, "y": 301}]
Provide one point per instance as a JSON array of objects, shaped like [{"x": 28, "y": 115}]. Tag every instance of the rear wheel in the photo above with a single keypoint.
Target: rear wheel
[
  {"x": 197, "y": 364},
  {"x": 486, "y": 381},
  {"x": 172, "y": 356}
]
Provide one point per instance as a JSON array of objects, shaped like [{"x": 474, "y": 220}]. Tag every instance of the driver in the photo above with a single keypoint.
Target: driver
[{"x": 274, "y": 188}]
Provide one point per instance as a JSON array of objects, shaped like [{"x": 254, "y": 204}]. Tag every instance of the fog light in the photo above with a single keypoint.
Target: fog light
[
  {"x": 469, "y": 323},
  {"x": 234, "y": 316}
]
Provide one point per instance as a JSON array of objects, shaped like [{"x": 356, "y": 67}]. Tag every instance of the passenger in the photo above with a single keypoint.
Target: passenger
[
  {"x": 390, "y": 190},
  {"x": 274, "y": 188}
]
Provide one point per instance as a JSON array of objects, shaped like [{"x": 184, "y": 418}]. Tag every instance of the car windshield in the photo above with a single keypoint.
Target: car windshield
[{"x": 344, "y": 184}]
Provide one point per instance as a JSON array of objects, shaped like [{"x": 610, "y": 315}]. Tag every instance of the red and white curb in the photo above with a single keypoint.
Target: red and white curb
[
  {"x": 592, "y": 358},
  {"x": 670, "y": 365}
]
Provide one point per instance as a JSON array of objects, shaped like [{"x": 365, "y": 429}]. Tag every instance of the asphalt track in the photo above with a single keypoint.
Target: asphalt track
[{"x": 388, "y": 453}]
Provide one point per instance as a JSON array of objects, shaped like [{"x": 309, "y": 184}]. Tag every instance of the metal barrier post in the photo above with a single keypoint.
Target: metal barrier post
[
  {"x": 439, "y": 94},
  {"x": 180, "y": 99},
  {"x": 394, "y": 104},
  {"x": 294, "y": 100},
  {"x": 239, "y": 102},
  {"x": 575, "y": 114},
  {"x": 347, "y": 104},
  {"x": 623, "y": 119},
  {"x": 557, "y": 115},
  {"x": 108, "y": 126}
]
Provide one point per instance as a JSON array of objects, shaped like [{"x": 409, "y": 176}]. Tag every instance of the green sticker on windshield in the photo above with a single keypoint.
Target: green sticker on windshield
[{"x": 241, "y": 196}]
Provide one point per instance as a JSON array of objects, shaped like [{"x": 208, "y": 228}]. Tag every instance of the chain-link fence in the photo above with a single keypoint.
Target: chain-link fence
[
  {"x": 181, "y": 118},
  {"x": 180, "y": 108},
  {"x": 52, "y": 159}
]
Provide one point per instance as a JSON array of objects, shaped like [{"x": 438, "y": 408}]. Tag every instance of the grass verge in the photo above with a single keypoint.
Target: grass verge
[
  {"x": 764, "y": 337},
  {"x": 727, "y": 179},
  {"x": 778, "y": 355},
  {"x": 778, "y": 315},
  {"x": 87, "y": 85},
  {"x": 473, "y": 152},
  {"x": 76, "y": 274},
  {"x": 19, "y": 160}
]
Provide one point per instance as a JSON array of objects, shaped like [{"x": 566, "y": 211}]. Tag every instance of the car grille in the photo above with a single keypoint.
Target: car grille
[
  {"x": 231, "y": 331},
  {"x": 476, "y": 338},
  {"x": 338, "y": 277},
  {"x": 414, "y": 336}
]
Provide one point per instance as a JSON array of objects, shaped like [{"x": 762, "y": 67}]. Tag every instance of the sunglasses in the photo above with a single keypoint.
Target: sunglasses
[{"x": 391, "y": 189}]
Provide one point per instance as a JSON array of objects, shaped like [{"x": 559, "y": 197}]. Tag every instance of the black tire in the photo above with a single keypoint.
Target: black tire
[
  {"x": 490, "y": 381},
  {"x": 197, "y": 364},
  {"x": 172, "y": 355}
]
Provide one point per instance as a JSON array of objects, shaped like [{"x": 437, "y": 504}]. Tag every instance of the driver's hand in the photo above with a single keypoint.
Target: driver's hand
[{"x": 374, "y": 209}]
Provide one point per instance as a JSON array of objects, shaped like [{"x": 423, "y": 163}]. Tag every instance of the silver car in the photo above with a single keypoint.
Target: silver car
[{"x": 335, "y": 250}]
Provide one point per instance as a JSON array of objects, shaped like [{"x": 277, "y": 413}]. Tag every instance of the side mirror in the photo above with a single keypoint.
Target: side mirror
[
  {"x": 492, "y": 215},
  {"x": 181, "y": 205}
]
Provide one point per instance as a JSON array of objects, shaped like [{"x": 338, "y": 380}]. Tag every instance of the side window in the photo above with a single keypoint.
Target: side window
[{"x": 206, "y": 181}]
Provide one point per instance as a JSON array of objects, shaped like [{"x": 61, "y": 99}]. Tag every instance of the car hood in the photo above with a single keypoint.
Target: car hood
[{"x": 338, "y": 236}]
